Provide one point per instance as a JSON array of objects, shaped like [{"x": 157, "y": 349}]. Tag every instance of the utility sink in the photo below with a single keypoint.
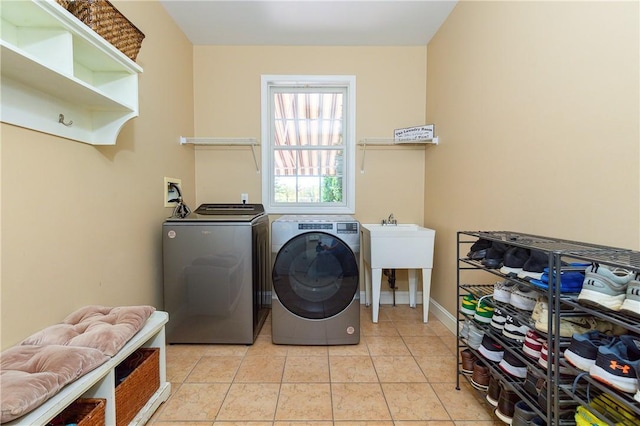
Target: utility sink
[
  {"x": 403, "y": 246},
  {"x": 398, "y": 246}
]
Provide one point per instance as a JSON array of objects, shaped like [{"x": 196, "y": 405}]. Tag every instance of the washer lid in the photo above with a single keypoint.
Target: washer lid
[{"x": 224, "y": 213}]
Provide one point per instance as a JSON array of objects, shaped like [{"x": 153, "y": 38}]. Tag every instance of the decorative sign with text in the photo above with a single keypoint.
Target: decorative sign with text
[{"x": 411, "y": 134}]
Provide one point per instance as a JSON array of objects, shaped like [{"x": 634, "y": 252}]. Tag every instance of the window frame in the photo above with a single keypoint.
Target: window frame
[{"x": 347, "y": 82}]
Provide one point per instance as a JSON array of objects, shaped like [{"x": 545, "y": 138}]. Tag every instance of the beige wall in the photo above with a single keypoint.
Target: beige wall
[
  {"x": 391, "y": 94},
  {"x": 391, "y": 90},
  {"x": 536, "y": 104},
  {"x": 81, "y": 224}
]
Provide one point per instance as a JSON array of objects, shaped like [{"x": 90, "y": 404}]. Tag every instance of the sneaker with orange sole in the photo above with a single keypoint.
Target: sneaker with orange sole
[{"x": 618, "y": 364}]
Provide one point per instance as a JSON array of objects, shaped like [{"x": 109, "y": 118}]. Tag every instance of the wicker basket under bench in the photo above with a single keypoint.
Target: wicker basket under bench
[{"x": 134, "y": 400}]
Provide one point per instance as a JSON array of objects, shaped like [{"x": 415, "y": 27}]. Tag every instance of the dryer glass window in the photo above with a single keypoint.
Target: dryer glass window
[{"x": 315, "y": 275}]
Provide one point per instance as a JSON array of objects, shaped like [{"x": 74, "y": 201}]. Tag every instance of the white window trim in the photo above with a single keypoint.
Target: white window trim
[{"x": 349, "y": 129}]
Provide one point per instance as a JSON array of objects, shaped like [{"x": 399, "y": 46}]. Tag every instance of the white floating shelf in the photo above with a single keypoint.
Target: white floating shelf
[
  {"x": 209, "y": 141},
  {"x": 391, "y": 142}
]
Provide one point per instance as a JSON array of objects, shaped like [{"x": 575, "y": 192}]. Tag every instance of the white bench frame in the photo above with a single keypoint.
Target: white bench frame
[{"x": 100, "y": 383}]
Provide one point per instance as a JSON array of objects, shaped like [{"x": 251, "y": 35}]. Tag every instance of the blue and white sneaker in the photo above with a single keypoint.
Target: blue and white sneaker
[
  {"x": 583, "y": 349},
  {"x": 570, "y": 281},
  {"x": 618, "y": 364}
]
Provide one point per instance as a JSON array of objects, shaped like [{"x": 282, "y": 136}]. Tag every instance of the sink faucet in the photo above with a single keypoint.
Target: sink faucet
[{"x": 390, "y": 220}]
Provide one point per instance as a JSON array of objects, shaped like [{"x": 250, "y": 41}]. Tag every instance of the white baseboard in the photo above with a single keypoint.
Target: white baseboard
[{"x": 402, "y": 298}]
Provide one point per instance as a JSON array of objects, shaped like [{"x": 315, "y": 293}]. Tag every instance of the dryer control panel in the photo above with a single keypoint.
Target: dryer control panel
[
  {"x": 347, "y": 228},
  {"x": 340, "y": 227}
]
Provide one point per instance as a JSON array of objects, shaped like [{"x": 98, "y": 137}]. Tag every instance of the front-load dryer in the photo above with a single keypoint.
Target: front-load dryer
[{"x": 316, "y": 289}]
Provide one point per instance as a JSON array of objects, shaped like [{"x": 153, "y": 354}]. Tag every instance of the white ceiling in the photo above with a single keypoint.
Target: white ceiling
[{"x": 309, "y": 22}]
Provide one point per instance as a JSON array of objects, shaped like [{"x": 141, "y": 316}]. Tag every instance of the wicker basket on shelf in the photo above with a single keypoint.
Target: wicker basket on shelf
[
  {"x": 63, "y": 3},
  {"x": 82, "y": 412},
  {"x": 137, "y": 379},
  {"x": 103, "y": 18}
]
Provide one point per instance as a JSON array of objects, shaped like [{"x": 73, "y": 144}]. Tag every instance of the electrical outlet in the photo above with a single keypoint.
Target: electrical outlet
[
  {"x": 170, "y": 192},
  {"x": 244, "y": 198}
]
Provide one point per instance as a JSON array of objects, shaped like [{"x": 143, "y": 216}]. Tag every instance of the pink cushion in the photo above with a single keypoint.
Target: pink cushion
[
  {"x": 99, "y": 327},
  {"x": 29, "y": 375}
]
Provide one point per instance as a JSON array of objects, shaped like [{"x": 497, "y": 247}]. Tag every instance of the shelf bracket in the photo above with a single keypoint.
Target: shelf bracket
[{"x": 252, "y": 142}]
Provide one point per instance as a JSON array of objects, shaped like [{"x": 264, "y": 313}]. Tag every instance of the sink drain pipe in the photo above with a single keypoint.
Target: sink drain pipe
[{"x": 391, "y": 279}]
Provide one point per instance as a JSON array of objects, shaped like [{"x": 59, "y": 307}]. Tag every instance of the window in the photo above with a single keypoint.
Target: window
[{"x": 308, "y": 153}]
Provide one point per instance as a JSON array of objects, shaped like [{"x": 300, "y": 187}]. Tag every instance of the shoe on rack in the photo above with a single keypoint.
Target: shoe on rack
[
  {"x": 583, "y": 349},
  {"x": 570, "y": 281},
  {"x": 464, "y": 329},
  {"x": 502, "y": 291},
  {"x": 522, "y": 414},
  {"x": 610, "y": 328},
  {"x": 618, "y": 364},
  {"x": 568, "y": 325},
  {"x": 479, "y": 249},
  {"x": 514, "y": 329},
  {"x": 541, "y": 305},
  {"x": 604, "y": 287},
  {"x": 491, "y": 349},
  {"x": 524, "y": 298},
  {"x": 475, "y": 336},
  {"x": 514, "y": 260},
  {"x": 493, "y": 392},
  {"x": 480, "y": 376},
  {"x": 613, "y": 409},
  {"x": 495, "y": 255},
  {"x": 532, "y": 344},
  {"x": 498, "y": 319},
  {"x": 468, "y": 304},
  {"x": 483, "y": 313},
  {"x": 513, "y": 366},
  {"x": 543, "y": 361},
  {"x": 506, "y": 405},
  {"x": 468, "y": 359},
  {"x": 631, "y": 304},
  {"x": 584, "y": 417},
  {"x": 534, "y": 266}
]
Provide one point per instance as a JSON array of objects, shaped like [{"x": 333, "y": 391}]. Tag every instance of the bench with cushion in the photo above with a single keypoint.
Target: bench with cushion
[{"x": 53, "y": 367}]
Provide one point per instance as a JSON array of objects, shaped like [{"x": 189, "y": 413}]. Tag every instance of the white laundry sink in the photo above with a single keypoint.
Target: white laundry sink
[
  {"x": 398, "y": 246},
  {"x": 402, "y": 246}
]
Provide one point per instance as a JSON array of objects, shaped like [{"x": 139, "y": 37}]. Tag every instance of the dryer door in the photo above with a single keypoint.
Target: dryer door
[{"x": 315, "y": 275}]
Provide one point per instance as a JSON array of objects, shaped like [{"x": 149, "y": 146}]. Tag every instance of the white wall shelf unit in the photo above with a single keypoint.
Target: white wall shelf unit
[
  {"x": 391, "y": 142},
  {"x": 60, "y": 77},
  {"x": 209, "y": 141}
]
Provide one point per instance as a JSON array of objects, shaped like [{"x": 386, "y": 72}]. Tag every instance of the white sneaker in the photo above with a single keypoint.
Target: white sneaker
[
  {"x": 523, "y": 298},
  {"x": 541, "y": 305},
  {"x": 502, "y": 291},
  {"x": 604, "y": 287},
  {"x": 631, "y": 304}
]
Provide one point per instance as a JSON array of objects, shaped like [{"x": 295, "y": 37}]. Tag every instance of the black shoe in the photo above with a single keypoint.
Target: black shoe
[
  {"x": 523, "y": 414},
  {"x": 534, "y": 266},
  {"x": 514, "y": 260},
  {"x": 495, "y": 255},
  {"x": 479, "y": 249},
  {"x": 512, "y": 365}
]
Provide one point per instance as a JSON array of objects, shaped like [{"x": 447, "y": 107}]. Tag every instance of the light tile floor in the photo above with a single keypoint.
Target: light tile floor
[{"x": 403, "y": 373}]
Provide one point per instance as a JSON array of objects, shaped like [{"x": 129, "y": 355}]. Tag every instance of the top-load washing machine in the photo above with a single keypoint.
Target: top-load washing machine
[
  {"x": 316, "y": 289},
  {"x": 216, "y": 274}
]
